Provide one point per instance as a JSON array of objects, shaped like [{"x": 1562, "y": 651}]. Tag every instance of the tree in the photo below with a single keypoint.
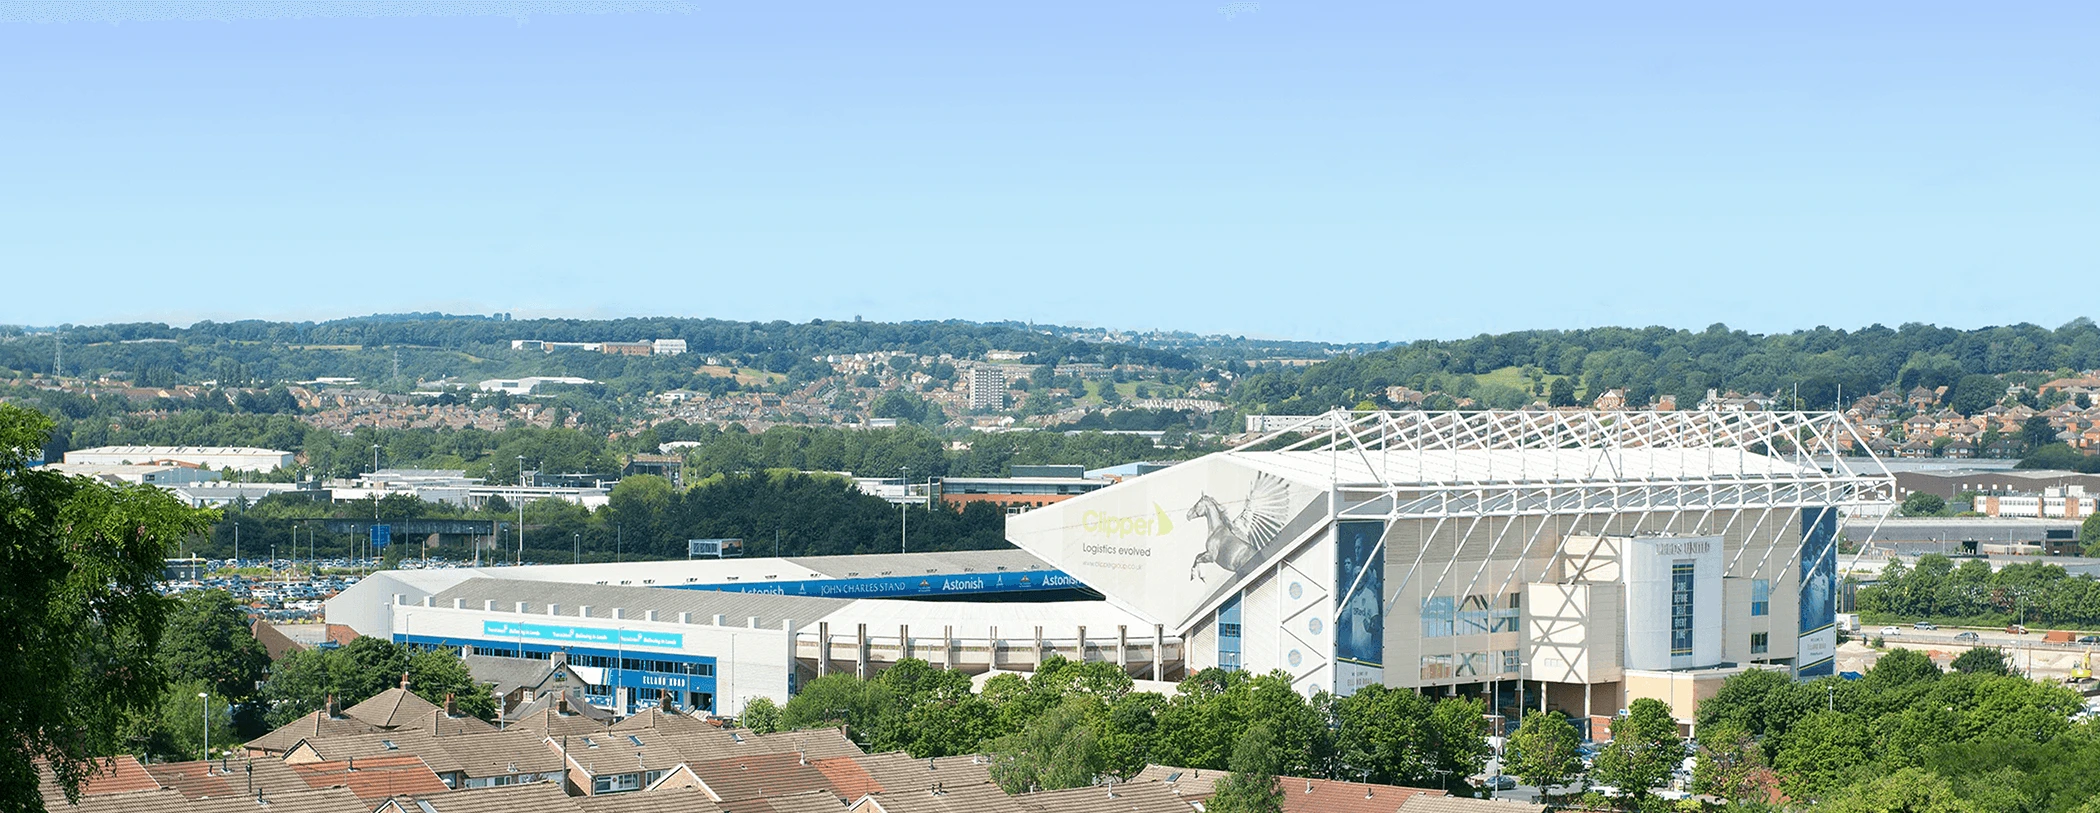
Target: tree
[
  {"x": 1820, "y": 754},
  {"x": 1542, "y": 752},
  {"x": 1975, "y": 393},
  {"x": 1251, "y": 787},
  {"x": 1901, "y": 667},
  {"x": 1644, "y": 750},
  {"x": 1983, "y": 660},
  {"x": 761, "y": 715},
  {"x": 1732, "y": 766},
  {"x": 173, "y": 729},
  {"x": 1909, "y": 790},
  {"x": 2036, "y": 432},
  {"x": 439, "y": 675},
  {"x": 865, "y": 708},
  {"x": 1923, "y": 504},
  {"x": 207, "y": 639},
  {"x": 1561, "y": 392},
  {"x": 1383, "y": 736},
  {"x": 1459, "y": 731},
  {"x": 1059, "y": 750},
  {"x": 2089, "y": 535},
  {"x": 78, "y": 566}
]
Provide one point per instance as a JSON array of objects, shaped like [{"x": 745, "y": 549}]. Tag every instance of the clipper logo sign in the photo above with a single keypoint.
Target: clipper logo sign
[
  {"x": 1102, "y": 523},
  {"x": 1172, "y": 542}
]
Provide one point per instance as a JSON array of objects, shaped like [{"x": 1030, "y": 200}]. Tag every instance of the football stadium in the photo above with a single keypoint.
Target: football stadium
[{"x": 1538, "y": 559}]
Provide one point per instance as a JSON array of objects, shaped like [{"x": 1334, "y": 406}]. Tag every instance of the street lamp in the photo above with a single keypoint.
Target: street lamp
[
  {"x": 577, "y": 543},
  {"x": 904, "y": 514},
  {"x": 206, "y": 697}
]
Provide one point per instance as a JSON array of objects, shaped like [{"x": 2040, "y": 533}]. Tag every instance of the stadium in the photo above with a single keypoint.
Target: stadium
[{"x": 1539, "y": 559}]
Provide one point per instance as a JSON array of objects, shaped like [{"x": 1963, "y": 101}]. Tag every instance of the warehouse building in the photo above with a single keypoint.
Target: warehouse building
[{"x": 713, "y": 634}]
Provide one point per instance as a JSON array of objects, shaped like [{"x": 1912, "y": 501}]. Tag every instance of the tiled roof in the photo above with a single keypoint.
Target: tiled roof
[
  {"x": 544, "y": 717},
  {"x": 656, "y": 718},
  {"x": 316, "y": 724},
  {"x": 1453, "y": 804},
  {"x": 896, "y": 771},
  {"x": 848, "y": 778},
  {"x": 1128, "y": 797},
  {"x": 815, "y": 801},
  {"x": 539, "y": 797},
  {"x": 274, "y": 642},
  {"x": 392, "y": 708},
  {"x": 334, "y": 799},
  {"x": 238, "y": 776},
  {"x": 495, "y": 753},
  {"x": 673, "y": 800},
  {"x": 815, "y": 743},
  {"x": 761, "y": 775},
  {"x": 979, "y": 798},
  {"x": 451, "y": 725},
  {"x": 130, "y": 801},
  {"x": 373, "y": 777},
  {"x": 1300, "y": 795},
  {"x": 119, "y": 774}
]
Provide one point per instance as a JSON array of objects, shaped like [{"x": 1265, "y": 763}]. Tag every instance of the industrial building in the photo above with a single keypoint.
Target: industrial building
[
  {"x": 1551, "y": 559},
  {"x": 216, "y": 458},
  {"x": 712, "y": 634}
]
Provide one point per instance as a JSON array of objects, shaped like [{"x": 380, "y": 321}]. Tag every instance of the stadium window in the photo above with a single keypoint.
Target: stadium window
[
  {"x": 1760, "y": 597},
  {"x": 1681, "y": 577},
  {"x": 1438, "y": 617},
  {"x": 1436, "y": 666},
  {"x": 1760, "y": 643},
  {"x": 1511, "y": 661}
]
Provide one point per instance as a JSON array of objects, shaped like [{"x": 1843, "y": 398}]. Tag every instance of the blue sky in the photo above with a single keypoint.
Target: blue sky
[{"x": 1329, "y": 171}]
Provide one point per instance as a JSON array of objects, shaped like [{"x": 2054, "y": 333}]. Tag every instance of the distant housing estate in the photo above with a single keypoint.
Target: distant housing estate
[{"x": 658, "y": 347}]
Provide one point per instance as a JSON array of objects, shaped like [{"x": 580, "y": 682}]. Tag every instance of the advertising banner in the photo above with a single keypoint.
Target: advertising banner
[
  {"x": 1170, "y": 543},
  {"x": 1818, "y": 642},
  {"x": 570, "y": 634},
  {"x": 1359, "y": 625}
]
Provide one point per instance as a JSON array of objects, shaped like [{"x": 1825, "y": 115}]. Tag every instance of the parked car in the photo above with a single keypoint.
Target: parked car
[
  {"x": 1925, "y": 625},
  {"x": 1968, "y": 637},
  {"x": 1891, "y": 631}
]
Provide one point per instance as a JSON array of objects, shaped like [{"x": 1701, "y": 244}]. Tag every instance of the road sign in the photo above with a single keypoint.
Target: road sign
[{"x": 381, "y": 535}]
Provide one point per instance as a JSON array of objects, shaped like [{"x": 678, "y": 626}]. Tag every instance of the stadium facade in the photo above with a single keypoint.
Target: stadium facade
[
  {"x": 1545, "y": 559},
  {"x": 1565, "y": 557}
]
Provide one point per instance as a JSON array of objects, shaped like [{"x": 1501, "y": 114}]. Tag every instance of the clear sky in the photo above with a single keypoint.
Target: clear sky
[{"x": 1330, "y": 171}]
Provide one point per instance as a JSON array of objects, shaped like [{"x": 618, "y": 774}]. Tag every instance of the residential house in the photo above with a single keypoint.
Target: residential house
[{"x": 1300, "y": 795}]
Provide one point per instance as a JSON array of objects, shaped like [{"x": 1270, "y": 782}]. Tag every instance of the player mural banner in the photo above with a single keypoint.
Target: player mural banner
[
  {"x": 1818, "y": 642},
  {"x": 1172, "y": 542},
  {"x": 1359, "y": 623}
]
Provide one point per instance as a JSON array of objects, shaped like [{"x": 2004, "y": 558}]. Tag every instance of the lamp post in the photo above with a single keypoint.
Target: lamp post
[
  {"x": 904, "y": 514},
  {"x": 577, "y": 545},
  {"x": 206, "y": 697},
  {"x": 521, "y": 510}
]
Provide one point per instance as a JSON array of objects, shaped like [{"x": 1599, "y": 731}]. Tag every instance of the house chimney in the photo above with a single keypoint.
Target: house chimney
[
  {"x": 450, "y": 709},
  {"x": 561, "y": 704},
  {"x": 331, "y": 708},
  {"x": 404, "y": 681},
  {"x": 352, "y": 763},
  {"x": 1308, "y": 786}
]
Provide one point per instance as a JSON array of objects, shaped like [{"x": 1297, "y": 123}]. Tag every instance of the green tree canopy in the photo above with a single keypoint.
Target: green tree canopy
[
  {"x": 1252, "y": 786},
  {"x": 78, "y": 567},
  {"x": 1644, "y": 749},
  {"x": 1542, "y": 752}
]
